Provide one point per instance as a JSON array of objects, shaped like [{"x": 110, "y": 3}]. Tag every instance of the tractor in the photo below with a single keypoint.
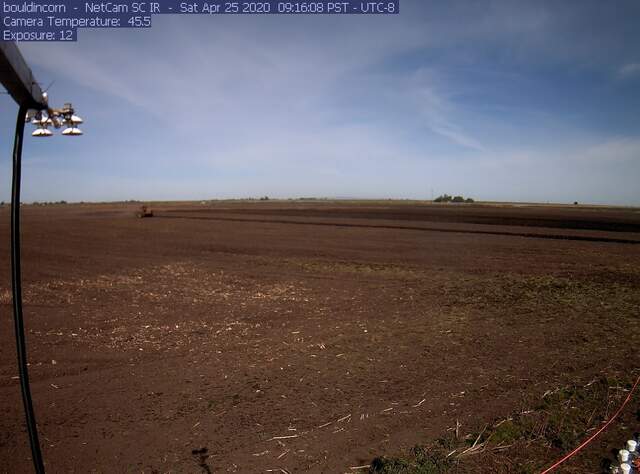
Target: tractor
[{"x": 144, "y": 212}]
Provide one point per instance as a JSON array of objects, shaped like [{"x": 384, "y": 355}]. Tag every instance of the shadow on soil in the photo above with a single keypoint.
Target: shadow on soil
[
  {"x": 528, "y": 235},
  {"x": 201, "y": 456}
]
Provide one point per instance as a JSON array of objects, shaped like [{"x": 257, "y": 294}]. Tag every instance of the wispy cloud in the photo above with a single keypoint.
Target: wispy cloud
[
  {"x": 629, "y": 70},
  {"x": 71, "y": 62},
  {"x": 615, "y": 150},
  {"x": 454, "y": 133}
]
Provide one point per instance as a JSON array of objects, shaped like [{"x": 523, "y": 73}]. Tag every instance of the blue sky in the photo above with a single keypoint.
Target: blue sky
[{"x": 498, "y": 100}]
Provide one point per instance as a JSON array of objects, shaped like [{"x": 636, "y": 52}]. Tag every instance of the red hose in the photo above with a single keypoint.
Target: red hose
[{"x": 595, "y": 435}]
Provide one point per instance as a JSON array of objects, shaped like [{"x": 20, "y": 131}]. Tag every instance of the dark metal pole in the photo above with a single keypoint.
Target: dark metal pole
[
  {"x": 16, "y": 283},
  {"x": 17, "y": 78}
]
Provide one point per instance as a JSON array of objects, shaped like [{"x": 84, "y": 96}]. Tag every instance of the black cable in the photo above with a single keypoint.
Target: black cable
[{"x": 16, "y": 283}]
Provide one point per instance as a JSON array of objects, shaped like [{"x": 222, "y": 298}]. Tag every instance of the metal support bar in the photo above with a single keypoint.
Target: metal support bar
[{"x": 18, "y": 79}]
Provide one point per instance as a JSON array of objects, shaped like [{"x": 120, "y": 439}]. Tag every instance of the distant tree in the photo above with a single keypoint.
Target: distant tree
[
  {"x": 443, "y": 198},
  {"x": 264, "y": 198},
  {"x": 458, "y": 199},
  {"x": 469, "y": 201}
]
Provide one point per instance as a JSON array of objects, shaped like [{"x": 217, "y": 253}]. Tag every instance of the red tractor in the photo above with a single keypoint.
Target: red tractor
[{"x": 144, "y": 212}]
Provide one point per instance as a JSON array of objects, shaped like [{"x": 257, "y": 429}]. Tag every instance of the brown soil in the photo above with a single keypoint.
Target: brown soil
[{"x": 298, "y": 337}]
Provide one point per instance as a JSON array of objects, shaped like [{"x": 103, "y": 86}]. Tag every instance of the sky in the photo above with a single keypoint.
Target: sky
[{"x": 497, "y": 100}]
